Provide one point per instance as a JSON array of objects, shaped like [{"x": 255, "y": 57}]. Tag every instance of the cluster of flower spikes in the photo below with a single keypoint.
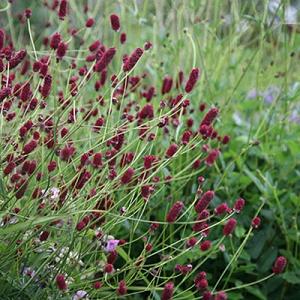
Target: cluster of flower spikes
[{"x": 39, "y": 106}]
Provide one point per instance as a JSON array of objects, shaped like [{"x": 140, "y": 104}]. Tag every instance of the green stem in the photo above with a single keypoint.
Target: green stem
[
  {"x": 31, "y": 39},
  {"x": 250, "y": 283}
]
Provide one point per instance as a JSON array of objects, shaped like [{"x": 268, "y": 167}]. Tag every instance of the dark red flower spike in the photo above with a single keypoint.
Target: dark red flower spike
[
  {"x": 132, "y": 60},
  {"x": 62, "y": 12},
  {"x": 61, "y": 282},
  {"x": 193, "y": 78},
  {"x": 204, "y": 201},
  {"x": 174, "y": 212},
  {"x": 279, "y": 265},
  {"x": 229, "y": 226},
  {"x": 168, "y": 291},
  {"x": 115, "y": 22}
]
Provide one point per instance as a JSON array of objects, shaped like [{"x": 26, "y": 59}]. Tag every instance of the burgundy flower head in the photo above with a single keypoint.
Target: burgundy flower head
[
  {"x": 147, "y": 45},
  {"x": 61, "y": 50},
  {"x": 28, "y": 13},
  {"x": 171, "y": 150},
  {"x": 46, "y": 88},
  {"x": 123, "y": 38},
  {"x": 194, "y": 76},
  {"x": 97, "y": 160},
  {"x": 89, "y": 22},
  {"x": 147, "y": 112},
  {"x": 209, "y": 117},
  {"x": 225, "y": 139},
  {"x": 146, "y": 191},
  {"x": 148, "y": 161},
  {"x": 108, "y": 268},
  {"x": 186, "y": 137},
  {"x": 95, "y": 46},
  {"x": 239, "y": 205},
  {"x": 200, "y": 281},
  {"x": 279, "y": 265},
  {"x": 25, "y": 93},
  {"x": 115, "y": 22},
  {"x": 80, "y": 226},
  {"x": 61, "y": 282},
  {"x": 201, "y": 220},
  {"x": 221, "y": 296},
  {"x": 179, "y": 79},
  {"x": 191, "y": 242},
  {"x": 83, "y": 179},
  {"x": 97, "y": 285},
  {"x": 212, "y": 157},
  {"x": 184, "y": 269},
  {"x": 52, "y": 166},
  {"x": 229, "y": 226},
  {"x": 9, "y": 168},
  {"x": 204, "y": 246},
  {"x": 132, "y": 60},
  {"x": 62, "y": 12},
  {"x": 105, "y": 59},
  {"x": 55, "y": 40},
  {"x": 167, "y": 85},
  {"x": 29, "y": 147},
  {"x": 204, "y": 201},
  {"x": 67, "y": 153},
  {"x": 221, "y": 209},
  {"x": 256, "y": 222},
  {"x": 1, "y": 65},
  {"x": 207, "y": 295},
  {"x": 127, "y": 176},
  {"x": 17, "y": 58},
  {"x": 122, "y": 288},
  {"x": 174, "y": 211},
  {"x": 44, "y": 236},
  {"x": 168, "y": 291},
  {"x": 4, "y": 92}
]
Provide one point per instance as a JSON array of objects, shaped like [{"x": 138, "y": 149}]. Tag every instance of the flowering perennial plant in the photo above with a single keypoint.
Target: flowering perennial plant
[{"x": 93, "y": 149}]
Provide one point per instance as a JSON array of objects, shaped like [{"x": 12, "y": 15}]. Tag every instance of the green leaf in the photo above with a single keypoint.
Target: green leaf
[
  {"x": 22, "y": 226},
  {"x": 240, "y": 231},
  {"x": 267, "y": 259},
  {"x": 186, "y": 296},
  {"x": 3, "y": 193},
  {"x": 294, "y": 147},
  {"x": 235, "y": 296},
  {"x": 255, "y": 180},
  {"x": 256, "y": 292},
  {"x": 257, "y": 244},
  {"x": 124, "y": 255},
  {"x": 291, "y": 277}
]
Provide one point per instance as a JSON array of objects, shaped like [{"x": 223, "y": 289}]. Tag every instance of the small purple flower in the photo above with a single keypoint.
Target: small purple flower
[
  {"x": 111, "y": 245},
  {"x": 80, "y": 295},
  {"x": 294, "y": 117},
  {"x": 270, "y": 94},
  {"x": 252, "y": 94}
]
